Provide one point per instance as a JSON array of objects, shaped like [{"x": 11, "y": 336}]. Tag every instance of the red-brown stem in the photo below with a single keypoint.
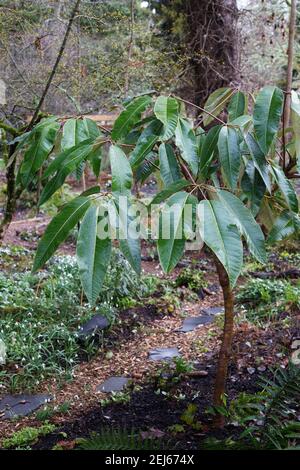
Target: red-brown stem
[{"x": 226, "y": 346}]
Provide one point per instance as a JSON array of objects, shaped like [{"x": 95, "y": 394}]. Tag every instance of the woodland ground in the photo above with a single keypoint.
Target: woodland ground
[{"x": 159, "y": 396}]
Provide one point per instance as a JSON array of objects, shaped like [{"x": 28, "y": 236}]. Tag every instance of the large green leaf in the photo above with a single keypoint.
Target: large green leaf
[
  {"x": 215, "y": 103},
  {"x": 286, "y": 189},
  {"x": 230, "y": 154},
  {"x": 147, "y": 167},
  {"x": 128, "y": 236},
  {"x": 145, "y": 142},
  {"x": 186, "y": 142},
  {"x": 93, "y": 255},
  {"x": 207, "y": 150},
  {"x": 127, "y": 119},
  {"x": 59, "y": 228},
  {"x": 41, "y": 145},
  {"x": 76, "y": 131},
  {"x": 285, "y": 225},
  {"x": 171, "y": 243},
  {"x": 65, "y": 163},
  {"x": 166, "y": 109},
  {"x": 237, "y": 106},
  {"x": 169, "y": 168},
  {"x": 259, "y": 159},
  {"x": 120, "y": 170},
  {"x": 245, "y": 222},
  {"x": 169, "y": 190},
  {"x": 266, "y": 115},
  {"x": 253, "y": 187},
  {"x": 221, "y": 236}
]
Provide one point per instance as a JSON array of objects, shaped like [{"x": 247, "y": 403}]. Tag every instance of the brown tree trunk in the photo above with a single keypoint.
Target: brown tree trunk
[
  {"x": 226, "y": 346},
  {"x": 213, "y": 45}
]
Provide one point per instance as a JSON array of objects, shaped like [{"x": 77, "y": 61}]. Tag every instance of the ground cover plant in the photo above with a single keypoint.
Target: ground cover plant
[{"x": 40, "y": 315}]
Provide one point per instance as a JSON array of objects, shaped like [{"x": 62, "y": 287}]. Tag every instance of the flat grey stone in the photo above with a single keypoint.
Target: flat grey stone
[
  {"x": 163, "y": 354},
  {"x": 113, "y": 384},
  {"x": 212, "y": 310},
  {"x": 12, "y": 406},
  {"x": 190, "y": 324},
  {"x": 95, "y": 324}
]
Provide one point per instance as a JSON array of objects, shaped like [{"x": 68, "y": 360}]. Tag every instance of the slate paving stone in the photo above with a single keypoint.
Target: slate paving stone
[
  {"x": 163, "y": 354},
  {"x": 95, "y": 324},
  {"x": 12, "y": 406},
  {"x": 190, "y": 324},
  {"x": 113, "y": 384},
  {"x": 212, "y": 310}
]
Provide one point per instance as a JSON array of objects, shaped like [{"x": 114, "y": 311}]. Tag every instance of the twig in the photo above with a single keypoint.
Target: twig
[{"x": 201, "y": 109}]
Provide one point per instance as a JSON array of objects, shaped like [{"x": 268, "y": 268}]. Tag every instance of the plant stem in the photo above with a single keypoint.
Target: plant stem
[
  {"x": 289, "y": 78},
  {"x": 226, "y": 346}
]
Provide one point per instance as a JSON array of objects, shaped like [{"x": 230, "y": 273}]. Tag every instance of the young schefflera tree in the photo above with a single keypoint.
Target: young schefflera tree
[{"x": 237, "y": 172}]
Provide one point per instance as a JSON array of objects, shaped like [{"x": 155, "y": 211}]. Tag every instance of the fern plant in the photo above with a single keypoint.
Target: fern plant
[
  {"x": 268, "y": 417},
  {"x": 117, "y": 439}
]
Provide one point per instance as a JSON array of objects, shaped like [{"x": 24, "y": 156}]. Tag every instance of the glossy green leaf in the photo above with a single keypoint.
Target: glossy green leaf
[
  {"x": 93, "y": 255},
  {"x": 127, "y": 119},
  {"x": 169, "y": 190},
  {"x": 169, "y": 168},
  {"x": 120, "y": 171},
  {"x": 222, "y": 237},
  {"x": 215, "y": 104},
  {"x": 129, "y": 241},
  {"x": 259, "y": 159},
  {"x": 166, "y": 109},
  {"x": 41, "y": 145},
  {"x": 186, "y": 142},
  {"x": 76, "y": 131},
  {"x": 286, "y": 189},
  {"x": 230, "y": 154},
  {"x": 207, "y": 150},
  {"x": 237, "y": 106},
  {"x": 65, "y": 163},
  {"x": 59, "y": 228},
  {"x": 266, "y": 115},
  {"x": 147, "y": 168},
  {"x": 253, "y": 187},
  {"x": 245, "y": 222},
  {"x": 285, "y": 225},
  {"x": 170, "y": 244},
  {"x": 145, "y": 142}
]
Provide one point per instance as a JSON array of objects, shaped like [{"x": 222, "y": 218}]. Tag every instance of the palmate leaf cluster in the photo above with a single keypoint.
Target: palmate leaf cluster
[{"x": 231, "y": 172}]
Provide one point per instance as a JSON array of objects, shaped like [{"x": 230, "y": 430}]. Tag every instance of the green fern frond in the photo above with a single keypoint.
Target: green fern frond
[{"x": 117, "y": 439}]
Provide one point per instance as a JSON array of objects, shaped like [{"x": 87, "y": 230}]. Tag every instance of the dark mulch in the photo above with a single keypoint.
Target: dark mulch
[{"x": 148, "y": 410}]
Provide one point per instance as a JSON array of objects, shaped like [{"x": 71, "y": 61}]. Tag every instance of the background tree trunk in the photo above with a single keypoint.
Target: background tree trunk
[
  {"x": 206, "y": 35},
  {"x": 213, "y": 46}
]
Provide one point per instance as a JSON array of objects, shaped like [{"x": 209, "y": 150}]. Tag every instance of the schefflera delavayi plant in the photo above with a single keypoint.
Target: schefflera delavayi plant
[{"x": 231, "y": 170}]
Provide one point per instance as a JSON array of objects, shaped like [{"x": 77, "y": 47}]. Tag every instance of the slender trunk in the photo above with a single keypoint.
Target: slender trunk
[
  {"x": 289, "y": 78},
  {"x": 10, "y": 205},
  {"x": 226, "y": 346}
]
